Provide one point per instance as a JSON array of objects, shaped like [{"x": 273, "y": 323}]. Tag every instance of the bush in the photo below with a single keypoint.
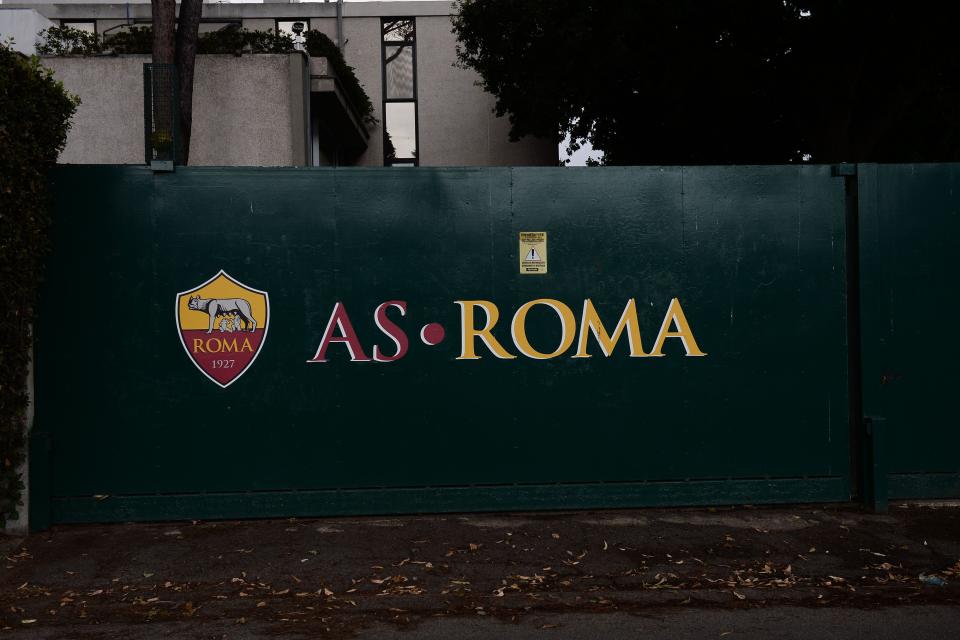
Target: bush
[
  {"x": 132, "y": 40},
  {"x": 35, "y": 116},
  {"x": 239, "y": 41},
  {"x": 67, "y": 41}
]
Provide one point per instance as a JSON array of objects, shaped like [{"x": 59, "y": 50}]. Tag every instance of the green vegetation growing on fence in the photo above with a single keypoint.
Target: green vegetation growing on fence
[
  {"x": 61, "y": 41},
  {"x": 35, "y": 115}
]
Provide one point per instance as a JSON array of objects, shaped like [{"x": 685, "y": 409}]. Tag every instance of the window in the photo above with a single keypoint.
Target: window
[
  {"x": 211, "y": 26},
  {"x": 401, "y": 120},
  {"x": 90, "y": 26},
  {"x": 399, "y": 55}
]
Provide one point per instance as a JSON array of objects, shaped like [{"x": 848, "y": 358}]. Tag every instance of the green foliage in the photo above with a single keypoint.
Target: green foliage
[
  {"x": 693, "y": 82},
  {"x": 240, "y": 41},
  {"x": 132, "y": 40},
  {"x": 236, "y": 41},
  {"x": 320, "y": 46},
  {"x": 35, "y": 116},
  {"x": 67, "y": 41}
]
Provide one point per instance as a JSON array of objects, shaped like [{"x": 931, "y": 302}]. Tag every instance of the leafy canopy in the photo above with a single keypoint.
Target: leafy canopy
[{"x": 692, "y": 82}]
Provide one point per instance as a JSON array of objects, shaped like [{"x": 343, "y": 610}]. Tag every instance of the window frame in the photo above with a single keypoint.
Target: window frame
[
  {"x": 412, "y": 43},
  {"x": 72, "y": 21}
]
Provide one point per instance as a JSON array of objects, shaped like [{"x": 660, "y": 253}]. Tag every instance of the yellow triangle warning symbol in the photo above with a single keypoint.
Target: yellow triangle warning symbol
[{"x": 533, "y": 256}]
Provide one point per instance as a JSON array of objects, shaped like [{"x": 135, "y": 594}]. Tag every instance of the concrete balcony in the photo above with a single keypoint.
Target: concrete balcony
[{"x": 338, "y": 125}]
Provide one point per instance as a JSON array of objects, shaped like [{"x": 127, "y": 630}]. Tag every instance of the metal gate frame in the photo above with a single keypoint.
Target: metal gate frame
[{"x": 868, "y": 276}]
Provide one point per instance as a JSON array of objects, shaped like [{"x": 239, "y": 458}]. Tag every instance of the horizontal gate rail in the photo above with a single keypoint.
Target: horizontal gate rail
[{"x": 448, "y": 500}]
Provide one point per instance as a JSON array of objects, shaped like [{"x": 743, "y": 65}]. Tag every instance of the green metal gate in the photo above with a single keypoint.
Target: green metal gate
[
  {"x": 909, "y": 223},
  {"x": 127, "y": 428}
]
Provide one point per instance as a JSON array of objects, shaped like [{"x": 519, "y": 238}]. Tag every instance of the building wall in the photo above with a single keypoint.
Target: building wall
[
  {"x": 22, "y": 25},
  {"x": 108, "y": 125},
  {"x": 456, "y": 119},
  {"x": 457, "y": 126},
  {"x": 362, "y": 52},
  {"x": 244, "y": 110},
  {"x": 364, "y": 57}
]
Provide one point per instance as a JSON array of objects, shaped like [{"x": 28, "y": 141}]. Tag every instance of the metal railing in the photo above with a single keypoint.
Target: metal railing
[{"x": 161, "y": 119}]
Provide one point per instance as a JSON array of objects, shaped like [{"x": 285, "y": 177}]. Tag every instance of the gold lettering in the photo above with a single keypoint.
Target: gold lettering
[
  {"x": 590, "y": 322},
  {"x": 468, "y": 332},
  {"x": 568, "y": 325},
  {"x": 675, "y": 317}
]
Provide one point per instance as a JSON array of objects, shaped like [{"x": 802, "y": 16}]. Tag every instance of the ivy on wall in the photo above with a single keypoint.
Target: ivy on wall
[
  {"x": 35, "y": 116},
  {"x": 320, "y": 46},
  {"x": 62, "y": 41}
]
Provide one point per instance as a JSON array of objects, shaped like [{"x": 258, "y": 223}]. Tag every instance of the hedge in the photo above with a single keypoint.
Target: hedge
[{"x": 35, "y": 116}]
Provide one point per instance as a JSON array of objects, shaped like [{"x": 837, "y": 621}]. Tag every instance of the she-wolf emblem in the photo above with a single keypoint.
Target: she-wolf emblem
[{"x": 214, "y": 307}]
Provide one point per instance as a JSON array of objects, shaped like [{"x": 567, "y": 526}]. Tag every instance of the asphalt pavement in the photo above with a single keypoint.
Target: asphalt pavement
[{"x": 800, "y": 572}]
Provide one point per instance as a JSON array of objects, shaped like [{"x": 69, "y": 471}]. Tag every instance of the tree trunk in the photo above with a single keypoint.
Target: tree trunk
[
  {"x": 186, "y": 56},
  {"x": 164, "y": 27}
]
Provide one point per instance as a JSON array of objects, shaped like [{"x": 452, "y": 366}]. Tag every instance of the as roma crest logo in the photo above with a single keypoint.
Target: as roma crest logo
[{"x": 222, "y": 325}]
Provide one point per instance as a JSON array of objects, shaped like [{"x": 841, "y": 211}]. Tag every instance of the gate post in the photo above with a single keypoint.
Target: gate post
[
  {"x": 868, "y": 467},
  {"x": 858, "y": 441},
  {"x": 873, "y": 313},
  {"x": 874, "y": 482},
  {"x": 39, "y": 485}
]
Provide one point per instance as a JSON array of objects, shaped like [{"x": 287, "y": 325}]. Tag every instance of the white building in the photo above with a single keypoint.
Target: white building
[{"x": 287, "y": 109}]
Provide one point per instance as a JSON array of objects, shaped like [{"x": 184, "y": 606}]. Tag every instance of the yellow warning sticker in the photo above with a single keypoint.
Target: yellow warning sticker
[{"x": 533, "y": 252}]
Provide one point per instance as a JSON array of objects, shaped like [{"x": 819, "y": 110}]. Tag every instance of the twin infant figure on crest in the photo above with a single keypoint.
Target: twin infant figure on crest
[{"x": 230, "y": 323}]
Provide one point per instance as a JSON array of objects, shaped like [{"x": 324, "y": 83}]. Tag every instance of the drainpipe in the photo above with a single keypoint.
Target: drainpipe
[{"x": 340, "y": 25}]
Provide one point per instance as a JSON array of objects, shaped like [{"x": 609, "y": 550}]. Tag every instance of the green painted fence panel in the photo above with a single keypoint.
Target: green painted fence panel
[
  {"x": 909, "y": 223},
  {"x": 754, "y": 255}
]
